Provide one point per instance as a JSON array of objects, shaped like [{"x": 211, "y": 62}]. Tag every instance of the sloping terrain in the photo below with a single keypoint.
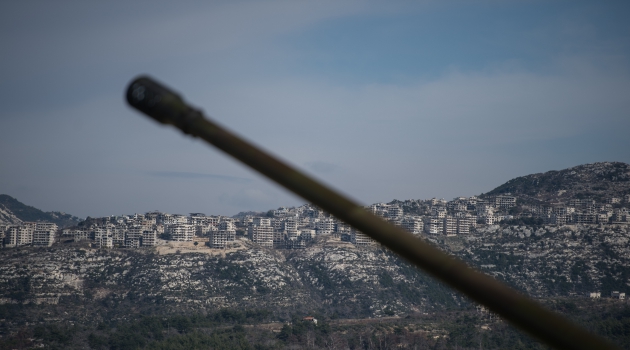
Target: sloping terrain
[
  {"x": 595, "y": 181},
  {"x": 355, "y": 281},
  {"x": 13, "y": 211}
]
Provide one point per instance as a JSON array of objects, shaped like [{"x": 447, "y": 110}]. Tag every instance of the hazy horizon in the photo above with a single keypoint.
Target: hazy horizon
[{"x": 382, "y": 101}]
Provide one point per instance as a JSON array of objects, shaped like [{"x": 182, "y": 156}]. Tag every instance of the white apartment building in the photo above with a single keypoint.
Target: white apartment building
[
  {"x": 282, "y": 211},
  {"x": 394, "y": 212},
  {"x": 119, "y": 232},
  {"x": 43, "y": 238},
  {"x": 197, "y": 219},
  {"x": 78, "y": 234},
  {"x": 206, "y": 230},
  {"x": 44, "y": 234},
  {"x": 433, "y": 225},
  {"x": 149, "y": 238},
  {"x": 12, "y": 234},
  {"x": 262, "y": 235},
  {"x": 491, "y": 219},
  {"x": 463, "y": 225},
  {"x": 307, "y": 234},
  {"x": 278, "y": 238},
  {"x": 219, "y": 239},
  {"x": 505, "y": 201},
  {"x": 450, "y": 226},
  {"x": 227, "y": 226},
  {"x": 19, "y": 235},
  {"x": 342, "y": 227},
  {"x": 102, "y": 238},
  {"x": 290, "y": 224},
  {"x": 438, "y": 212},
  {"x": 258, "y": 221},
  {"x": 325, "y": 226},
  {"x": 133, "y": 236},
  {"x": 182, "y": 232},
  {"x": 358, "y": 238},
  {"x": 412, "y": 224}
]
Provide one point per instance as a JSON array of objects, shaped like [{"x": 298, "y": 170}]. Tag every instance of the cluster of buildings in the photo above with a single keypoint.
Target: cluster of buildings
[
  {"x": 284, "y": 228},
  {"x": 41, "y": 234},
  {"x": 292, "y": 228},
  {"x": 582, "y": 211}
]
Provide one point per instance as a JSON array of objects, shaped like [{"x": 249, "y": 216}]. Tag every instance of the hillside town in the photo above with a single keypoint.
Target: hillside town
[
  {"x": 293, "y": 228},
  {"x": 564, "y": 242}
]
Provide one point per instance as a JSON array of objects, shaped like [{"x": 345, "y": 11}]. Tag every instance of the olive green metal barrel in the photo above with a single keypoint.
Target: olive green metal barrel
[{"x": 167, "y": 107}]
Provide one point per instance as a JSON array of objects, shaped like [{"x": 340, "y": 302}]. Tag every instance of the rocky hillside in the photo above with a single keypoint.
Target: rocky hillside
[
  {"x": 13, "y": 211},
  {"x": 330, "y": 278},
  {"x": 595, "y": 181}
]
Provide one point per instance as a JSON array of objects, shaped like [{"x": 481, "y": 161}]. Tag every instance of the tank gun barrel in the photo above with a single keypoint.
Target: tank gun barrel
[{"x": 167, "y": 107}]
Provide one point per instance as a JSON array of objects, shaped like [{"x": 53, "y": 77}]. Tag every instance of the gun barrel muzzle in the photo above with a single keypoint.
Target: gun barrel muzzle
[{"x": 167, "y": 107}]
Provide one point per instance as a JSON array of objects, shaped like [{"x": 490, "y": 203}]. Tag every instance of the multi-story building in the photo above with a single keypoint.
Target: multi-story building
[
  {"x": 182, "y": 232},
  {"x": 11, "y": 236},
  {"x": 262, "y": 235},
  {"x": 463, "y": 225},
  {"x": 584, "y": 218},
  {"x": 438, "y": 212},
  {"x": 505, "y": 201},
  {"x": 43, "y": 238},
  {"x": 294, "y": 241},
  {"x": 290, "y": 224},
  {"x": 227, "y": 232},
  {"x": 119, "y": 232},
  {"x": 490, "y": 220},
  {"x": 19, "y": 235},
  {"x": 259, "y": 221},
  {"x": 102, "y": 238},
  {"x": 450, "y": 226},
  {"x": 325, "y": 226},
  {"x": 433, "y": 225},
  {"x": 134, "y": 236},
  {"x": 412, "y": 224},
  {"x": 394, "y": 212},
  {"x": 342, "y": 228},
  {"x": 621, "y": 215},
  {"x": 149, "y": 238},
  {"x": 307, "y": 234},
  {"x": 361, "y": 239},
  {"x": 558, "y": 219},
  {"x": 278, "y": 238},
  {"x": 219, "y": 239}
]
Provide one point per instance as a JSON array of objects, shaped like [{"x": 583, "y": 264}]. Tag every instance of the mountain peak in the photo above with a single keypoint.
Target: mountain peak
[{"x": 595, "y": 181}]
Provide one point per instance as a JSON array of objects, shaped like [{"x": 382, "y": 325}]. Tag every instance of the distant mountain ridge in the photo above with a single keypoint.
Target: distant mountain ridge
[
  {"x": 13, "y": 211},
  {"x": 597, "y": 181},
  {"x": 593, "y": 181}
]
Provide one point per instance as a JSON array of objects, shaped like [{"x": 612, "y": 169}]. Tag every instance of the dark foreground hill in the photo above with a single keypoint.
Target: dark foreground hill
[
  {"x": 597, "y": 181},
  {"x": 12, "y": 211}
]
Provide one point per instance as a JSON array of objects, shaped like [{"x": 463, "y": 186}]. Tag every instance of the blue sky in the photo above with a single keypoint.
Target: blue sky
[{"x": 381, "y": 100}]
